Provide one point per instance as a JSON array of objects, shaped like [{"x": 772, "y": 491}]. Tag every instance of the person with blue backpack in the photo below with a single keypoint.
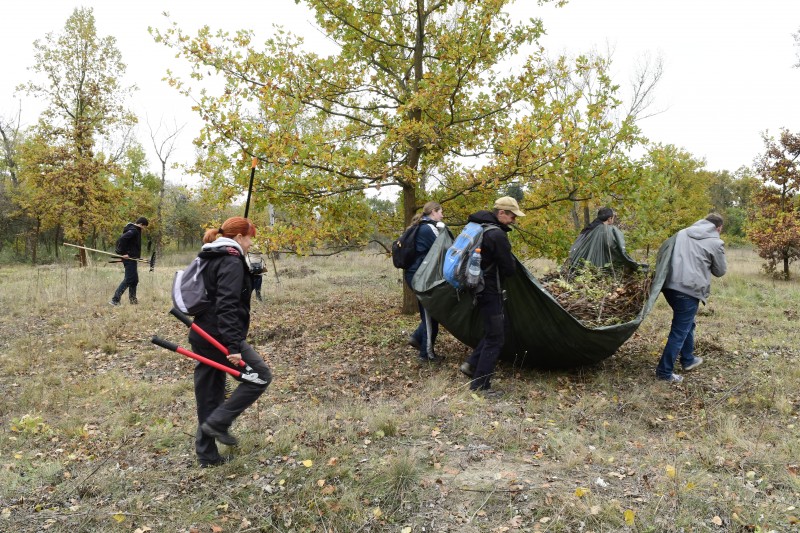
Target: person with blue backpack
[
  {"x": 497, "y": 263},
  {"x": 430, "y": 224}
]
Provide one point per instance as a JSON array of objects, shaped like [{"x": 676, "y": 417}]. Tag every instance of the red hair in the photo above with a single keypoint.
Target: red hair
[{"x": 231, "y": 228}]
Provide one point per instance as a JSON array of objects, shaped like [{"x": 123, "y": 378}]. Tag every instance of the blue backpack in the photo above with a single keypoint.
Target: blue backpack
[{"x": 457, "y": 256}]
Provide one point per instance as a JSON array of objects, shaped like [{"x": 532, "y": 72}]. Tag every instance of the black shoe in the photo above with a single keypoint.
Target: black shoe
[
  {"x": 134, "y": 301},
  {"x": 414, "y": 343},
  {"x": 114, "y": 302},
  {"x": 211, "y": 464},
  {"x": 222, "y": 436},
  {"x": 258, "y": 296},
  {"x": 424, "y": 360},
  {"x": 467, "y": 369}
]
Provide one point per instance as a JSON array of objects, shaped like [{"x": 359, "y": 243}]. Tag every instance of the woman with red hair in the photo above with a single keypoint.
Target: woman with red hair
[{"x": 227, "y": 281}]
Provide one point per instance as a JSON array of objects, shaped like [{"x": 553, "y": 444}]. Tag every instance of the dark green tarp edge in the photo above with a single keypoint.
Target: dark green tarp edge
[{"x": 543, "y": 334}]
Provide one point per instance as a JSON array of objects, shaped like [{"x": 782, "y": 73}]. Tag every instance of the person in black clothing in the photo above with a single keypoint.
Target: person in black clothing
[
  {"x": 497, "y": 263},
  {"x": 425, "y": 335},
  {"x": 227, "y": 279},
  {"x": 129, "y": 246}
]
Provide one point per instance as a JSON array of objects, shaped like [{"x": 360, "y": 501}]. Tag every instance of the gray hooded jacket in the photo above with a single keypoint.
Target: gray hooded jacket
[{"x": 698, "y": 253}]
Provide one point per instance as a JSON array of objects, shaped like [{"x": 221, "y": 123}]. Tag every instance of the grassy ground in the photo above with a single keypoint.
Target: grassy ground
[{"x": 353, "y": 435}]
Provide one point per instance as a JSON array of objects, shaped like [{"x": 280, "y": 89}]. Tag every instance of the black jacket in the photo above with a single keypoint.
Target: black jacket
[
  {"x": 130, "y": 243},
  {"x": 228, "y": 285},
  {"x": 495, "y": 252}
]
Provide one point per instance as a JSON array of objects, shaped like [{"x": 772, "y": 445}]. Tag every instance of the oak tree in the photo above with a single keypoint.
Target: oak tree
[
  {"x": 775, "y": 218},
  {"x": 79, "y": 77}
]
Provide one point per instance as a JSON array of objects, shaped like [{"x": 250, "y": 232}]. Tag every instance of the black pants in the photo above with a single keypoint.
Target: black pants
[
  {"x": 209, "y": 392},
  {"x": 130, "y": 282},
  {"x": 485, "y": 355}
]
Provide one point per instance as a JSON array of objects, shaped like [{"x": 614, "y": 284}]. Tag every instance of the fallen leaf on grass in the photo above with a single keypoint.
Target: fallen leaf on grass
[
  {"x": 670, "y": 470},
  {"x": 118, "y": 517},
  {"x": 717, "y": 521},
  {"x": 580, "y": 492},
  {"x": 629, "y": 514},
  {"x": 308, "y": 463}
]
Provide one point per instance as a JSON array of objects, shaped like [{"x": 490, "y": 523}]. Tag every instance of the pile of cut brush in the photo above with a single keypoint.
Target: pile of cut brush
[{"x": 599, "y": 297}]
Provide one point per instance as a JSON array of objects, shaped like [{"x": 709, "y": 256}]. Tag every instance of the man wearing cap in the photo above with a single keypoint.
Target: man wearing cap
[
  {"x": 497, "y": 263},
  {"x": 129, "y": 247}
]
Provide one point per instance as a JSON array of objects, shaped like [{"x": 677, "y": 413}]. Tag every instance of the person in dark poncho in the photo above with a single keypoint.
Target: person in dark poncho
[{"x": 601, "y": 244}]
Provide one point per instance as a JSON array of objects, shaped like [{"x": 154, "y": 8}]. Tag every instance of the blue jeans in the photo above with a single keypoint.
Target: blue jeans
[{"x": 681, "y": 334}]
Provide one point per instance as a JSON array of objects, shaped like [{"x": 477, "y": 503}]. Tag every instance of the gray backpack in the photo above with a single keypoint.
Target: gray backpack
[{"x": 189, "y": 293}]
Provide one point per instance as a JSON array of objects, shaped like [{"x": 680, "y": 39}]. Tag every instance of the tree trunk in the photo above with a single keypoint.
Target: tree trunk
[
  {"x": 786, "y": 267},
  {"x": 159, "y": 227},
  {"x": 35, "y": 242},
  {"x": 409, "y": 208}
]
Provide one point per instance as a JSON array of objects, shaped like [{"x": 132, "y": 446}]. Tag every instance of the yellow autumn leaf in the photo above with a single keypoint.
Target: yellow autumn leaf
[
  {"x": 717, "y": 521},
  {"x": 405, "y": 530},
  {"x": 118, "y": 517},
  {"x": 629, "y": 514},
  {"x": 670, "y": 470},
  {"x": 377, "y": 513},
  {"x": 580, "y": 492},
  {"x": 308, "y": 463},
  {"x": 320, "y": 482}
]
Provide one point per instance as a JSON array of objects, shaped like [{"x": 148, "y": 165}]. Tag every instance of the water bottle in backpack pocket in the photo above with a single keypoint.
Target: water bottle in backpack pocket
[
  {"x": 459, "y": 254},
  {"x": 474, "y": 271}
]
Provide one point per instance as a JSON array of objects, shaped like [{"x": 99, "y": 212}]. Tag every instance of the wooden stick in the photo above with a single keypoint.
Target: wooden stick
[{"x": 107, "y": 253}]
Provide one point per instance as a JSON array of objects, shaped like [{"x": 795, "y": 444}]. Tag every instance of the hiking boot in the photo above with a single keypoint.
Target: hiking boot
[
  {"x": 134, "y": 301},
  {"x": 414, "y": 343},
  {"x": 221, "y": 435},
  {"x": 490, "y": 393},
  {"x": 429, "y": 359},
  {"x": 674, "y": 378},
  {"x": 467, "y": 369},
  {"x": 211, "y": 464},
  {"x": 114, "y": 302},
  {"x": 258, "y": 296},
  {"x": 694, "y": 364}
]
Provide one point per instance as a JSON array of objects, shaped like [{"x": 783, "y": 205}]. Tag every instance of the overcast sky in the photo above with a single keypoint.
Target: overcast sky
[{"x": 728, "y": 64}]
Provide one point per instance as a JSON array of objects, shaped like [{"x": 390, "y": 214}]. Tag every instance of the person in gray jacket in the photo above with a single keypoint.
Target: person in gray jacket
[{"x": 697, "y": 254}]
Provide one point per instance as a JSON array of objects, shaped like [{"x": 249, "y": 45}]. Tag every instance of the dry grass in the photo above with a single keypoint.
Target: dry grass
[{"x": 353, "y": 435}]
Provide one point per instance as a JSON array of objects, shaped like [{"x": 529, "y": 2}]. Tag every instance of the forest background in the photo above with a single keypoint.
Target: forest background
[{"x": 414, "y": 101}]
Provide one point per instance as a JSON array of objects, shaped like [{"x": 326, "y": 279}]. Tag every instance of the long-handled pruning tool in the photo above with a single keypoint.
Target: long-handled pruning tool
[
  {"x": 151, "y": 261},
  {"x": 247, "y": 375},
  {"x": 252, "y": 377}
]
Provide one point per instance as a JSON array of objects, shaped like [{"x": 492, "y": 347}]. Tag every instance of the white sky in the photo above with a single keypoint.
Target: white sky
[{"x": 728, "y": 64}]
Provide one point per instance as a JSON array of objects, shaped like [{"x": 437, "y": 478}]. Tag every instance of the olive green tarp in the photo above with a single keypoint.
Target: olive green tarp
[{"x": 542, "y": 333}]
